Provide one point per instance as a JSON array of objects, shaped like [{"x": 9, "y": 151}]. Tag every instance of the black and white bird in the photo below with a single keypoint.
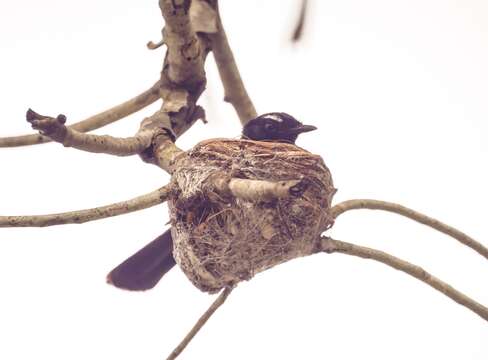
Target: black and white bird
[
  {"x": 144, "y": 269},
  {"x": 279, "y": 127}
]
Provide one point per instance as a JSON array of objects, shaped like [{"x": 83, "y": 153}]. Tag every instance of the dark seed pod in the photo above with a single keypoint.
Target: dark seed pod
[{"x": 219, "y": 239}]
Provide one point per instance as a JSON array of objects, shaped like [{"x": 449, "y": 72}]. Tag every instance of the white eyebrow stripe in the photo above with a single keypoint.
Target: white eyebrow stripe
[{"x": 274, "y": 117}]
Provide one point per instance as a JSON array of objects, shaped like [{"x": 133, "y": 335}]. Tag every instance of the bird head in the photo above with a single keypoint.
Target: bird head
[{"x": 279, "y": 127}]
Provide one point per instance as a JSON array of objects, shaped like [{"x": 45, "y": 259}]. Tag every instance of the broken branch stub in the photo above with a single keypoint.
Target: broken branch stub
[{"x": 244, "y": 206}]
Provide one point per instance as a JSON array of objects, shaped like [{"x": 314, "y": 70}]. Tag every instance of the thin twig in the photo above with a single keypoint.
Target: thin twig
[
  {"x": 298, "y": 32},
  {"x": 81, "y": 216},
  {"x": 329, "y": 245},
  {"x": 235, "y": 91},
  {"x": 203, "y": 319},
  {"x": 153, "y": 46},
  {"x": 412, "y": 214},
  {"x": 94, "y": 122}
]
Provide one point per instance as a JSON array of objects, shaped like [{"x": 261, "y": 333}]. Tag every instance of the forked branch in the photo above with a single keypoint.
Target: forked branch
[
  {"x": 183, "y": 81},
  {"x": 81, "y": 216},
  {"x": 94, "y": 122},
  {"x": 56, "y": 130},
  {"x": 330, "y": 246},
  {"x": 412, "y": 214}
]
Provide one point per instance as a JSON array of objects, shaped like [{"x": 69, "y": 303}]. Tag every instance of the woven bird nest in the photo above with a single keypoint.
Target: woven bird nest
[{"x": 220, "y": 239}]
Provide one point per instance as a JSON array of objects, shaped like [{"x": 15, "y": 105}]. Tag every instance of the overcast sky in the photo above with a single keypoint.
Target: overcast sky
[{"x": 398, "y": 90}]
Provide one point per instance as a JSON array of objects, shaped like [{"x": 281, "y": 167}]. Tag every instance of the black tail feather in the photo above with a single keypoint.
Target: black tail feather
[{"x": 144, "y": 269}]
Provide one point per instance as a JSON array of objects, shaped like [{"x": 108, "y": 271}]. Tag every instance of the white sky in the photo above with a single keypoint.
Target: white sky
[{"x": 398, "y": 90}]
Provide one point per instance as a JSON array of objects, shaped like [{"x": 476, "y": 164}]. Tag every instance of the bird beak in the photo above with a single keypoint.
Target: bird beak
[{"x": 303, "y": 128}]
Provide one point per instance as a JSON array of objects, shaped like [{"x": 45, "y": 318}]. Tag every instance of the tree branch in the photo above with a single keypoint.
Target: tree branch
[
  {"x": 259, "y": 190},
  {"x": 183, "y": 80},
  {"x": 298, "y": 31},
  {"x": 81, "y": 216},
  {"x": 55, "y": 129},
  {"x": 163, "y": 152},
  {"x": 329, "y": 245},
  {"x": 235, "y": 91},
  {"x": 184, "y": 51},
  {"x": 412, "y": 214},
  {"x": 203, "y": 319},
  {"x": 94, "y": 122}
]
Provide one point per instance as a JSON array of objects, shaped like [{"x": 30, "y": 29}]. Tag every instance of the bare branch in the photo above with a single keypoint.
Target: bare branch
[
  {"x": 81, "y": 216},
  {"x": 235, "y": 92},
  {"x": 94, "y": 122},
  {"x": 329, "y": 245},
  {"x": 166, "y": 153},
  {"x": 260, "y": 190},
  {"x": 412, "y": 214},
  {"x": 55, "y": 129},
  {"x": 298, "y": 32},
  {"x": 163, "y": 151},
  {"x": 183, "y": 81},
  {"x": 203, "y": 319}
]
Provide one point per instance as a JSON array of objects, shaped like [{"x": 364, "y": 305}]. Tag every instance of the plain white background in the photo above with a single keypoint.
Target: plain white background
[{"x": 398, "y": 90}]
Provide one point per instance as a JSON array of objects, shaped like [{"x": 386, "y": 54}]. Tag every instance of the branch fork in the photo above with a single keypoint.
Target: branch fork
[{"x": 182, "y": 81}]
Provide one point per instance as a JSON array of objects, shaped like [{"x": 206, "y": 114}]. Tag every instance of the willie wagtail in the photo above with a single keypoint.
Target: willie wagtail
[{"x": 144, "y": 269}]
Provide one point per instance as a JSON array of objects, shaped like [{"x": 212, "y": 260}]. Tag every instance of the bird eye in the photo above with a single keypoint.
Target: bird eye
[{"x": 269, "y": 126}]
